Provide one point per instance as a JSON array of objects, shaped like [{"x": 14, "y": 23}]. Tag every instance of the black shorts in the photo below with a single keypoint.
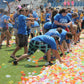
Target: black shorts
[
  {"x": 4, "y": 29},
  {"x": 23, "y": 40},
  {"x": 82, "y": 25},
  {"x": 34, "y": 45},
  {"x": 43, "y": 22}
]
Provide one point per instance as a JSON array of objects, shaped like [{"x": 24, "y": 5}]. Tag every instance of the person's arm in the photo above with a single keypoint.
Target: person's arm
[
  {"x": 62, "y": 50},
  {"x": 68, "y": 44},
  {"x": 30, "y": 18},
  {"x": 57, "y": 23},
  {"x": 57, "y": 55},
  {"x": 8, "y": 6}
]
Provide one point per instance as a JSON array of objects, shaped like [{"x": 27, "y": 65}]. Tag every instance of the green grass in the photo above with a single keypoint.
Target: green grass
[{"x": 15, "y": 71}]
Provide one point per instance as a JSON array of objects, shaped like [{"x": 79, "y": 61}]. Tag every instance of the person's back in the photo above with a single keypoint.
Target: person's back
[
  {"x": 46, "y": 39},
  {"x": 4, "y": 17},
  {"x": 15, "y": 17},
  {"x": 63, "y": 34},
  {"x": 22, "y": 27},
  {"x": 53, "y": 32}
]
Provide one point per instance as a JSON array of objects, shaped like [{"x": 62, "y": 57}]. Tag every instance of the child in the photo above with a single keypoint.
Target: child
[
  {"x": 42, "y": 18},
  {"x": 45, "y": 43},
  {"x": 4, "y": 25}
]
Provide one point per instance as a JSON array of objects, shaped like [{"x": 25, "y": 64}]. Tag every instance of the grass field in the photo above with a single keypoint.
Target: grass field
[{"x": 10, "y": 74}]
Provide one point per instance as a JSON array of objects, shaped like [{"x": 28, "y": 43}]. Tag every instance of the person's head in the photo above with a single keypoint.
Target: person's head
[
  {"x": 26, "y": 11},
  {"x": 59, "y": 29},
  {"x": 54, "y": 12},
  {"x": 74, "y": 15},
  {"x": 1, "y": 10},
  {"x": 21, "y": 11},
  {"x": 63, "y": 12},
  {"x": 68, "y": 35},
  {"x": 57, "y": 38},
  {"x": 18, "y": 8},
  {"x": 47, "y": 9},
  {"x": 42, "y": 11}
]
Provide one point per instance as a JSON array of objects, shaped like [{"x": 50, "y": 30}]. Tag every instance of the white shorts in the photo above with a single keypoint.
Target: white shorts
[
  {"x": 33, "y": 30},
  {"x": 38, "y": 29}
]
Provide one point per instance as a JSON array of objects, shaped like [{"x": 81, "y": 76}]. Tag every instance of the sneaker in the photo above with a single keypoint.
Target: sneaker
[{"x": 15, "y": 62}]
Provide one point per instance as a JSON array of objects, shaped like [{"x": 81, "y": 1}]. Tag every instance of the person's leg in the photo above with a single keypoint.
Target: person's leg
[
  {"x": 2, "y": 37},
  {"x": 7, "y": 44},
  {"x": 22, "y": 57},
  {"x": 16, "y": 40},
  {"x": 13, "y": 54},
  {"x": 49, "y": 55},
  {"x": 8, "y": 35},
  {"x": 31, "y": 50},
  {"x": 25, "y": 49}
]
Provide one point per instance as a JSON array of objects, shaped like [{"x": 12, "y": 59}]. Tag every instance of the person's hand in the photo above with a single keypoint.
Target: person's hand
[
  {"x": 5, "y": 2},
  {"x": 70, "y": 50},
  {"x": 0, "y": 27},
  {"x": 61, "y": 61},
  {"x": 64, "y": 55},
  {"x": 65, "y": 25}
]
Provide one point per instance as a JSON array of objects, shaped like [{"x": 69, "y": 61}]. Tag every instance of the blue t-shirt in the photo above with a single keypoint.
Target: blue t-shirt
[
  {"x": 10, "y": 25},
  {"x": 35, "y": 15},
  {"x": 53, "y": 32},
  {"x": 83, "y": 18},
  {"x": 61, "y": 19},
  {"x": 47, "y": 18},
  {"x": 3, "y": 24},
  {"x": 70, "y": 15},
  {"x": 0, "y": 18},
  {"x": 16, "y": 20},
  {"x": 46, "y": 39},
  {"x": 22, "y": 27},
  {"x": 48, "y": 25},
  {"x": 63, "y": 36},
  {"x": 36, "y": 24},
  {"x": 75, "y": 19}
]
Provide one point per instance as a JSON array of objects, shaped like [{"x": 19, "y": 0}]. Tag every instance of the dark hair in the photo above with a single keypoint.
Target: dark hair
[
  {"x": 59, "y": 29},
  {"x": 53, "y": 14},
  {"x": 69, "y": 35},
  {"x": 26, "y": 9},
  {"x": 1, "y": 10},
  {"x": 56, "y": 38},
  {"x": 74, "y": 14},
  {"x": 62, "y": 10},
  {"x": 21, "y": 10}
]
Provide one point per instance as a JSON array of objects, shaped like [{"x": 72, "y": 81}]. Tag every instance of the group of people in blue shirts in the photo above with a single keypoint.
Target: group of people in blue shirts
[{"x": 57, "y": 33}]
